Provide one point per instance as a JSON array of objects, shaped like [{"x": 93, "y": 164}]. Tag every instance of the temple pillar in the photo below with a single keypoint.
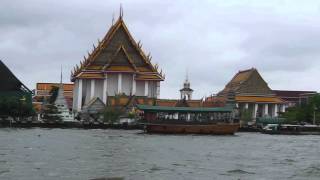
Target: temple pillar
[
  {"x": 119, "y": 83},
  {"x": 246, "y": 105},
  {"x": 92, "y": 88},
  {"x": 79, "y": 103},
  {"x": 104, "y": 90},
  {"x": 283, "y": 108},
  {"x": 255, "y": 110},
  {"x": 275, "y": 110},
  {"x": 266, "y": 108},
  {"x": 134, "y": 85},
  {"x": 146, "y": 88}
]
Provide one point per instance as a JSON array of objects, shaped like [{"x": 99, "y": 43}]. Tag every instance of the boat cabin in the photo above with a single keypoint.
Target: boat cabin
[{"x": 153, "y": 114}]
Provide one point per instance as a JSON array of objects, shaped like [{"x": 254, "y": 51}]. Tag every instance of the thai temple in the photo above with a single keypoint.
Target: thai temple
[
  {"x": 116, "y": 66},
  {"x": 254, "y": 94}
]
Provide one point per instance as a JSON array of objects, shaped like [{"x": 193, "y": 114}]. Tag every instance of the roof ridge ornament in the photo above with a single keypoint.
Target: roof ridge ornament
[
  {"x": 121, "y": 11},
  {"x": 112, "y": 22}
]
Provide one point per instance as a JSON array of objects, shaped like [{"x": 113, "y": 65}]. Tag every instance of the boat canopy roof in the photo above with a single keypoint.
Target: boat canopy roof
[{"x": 148, "y": 108}]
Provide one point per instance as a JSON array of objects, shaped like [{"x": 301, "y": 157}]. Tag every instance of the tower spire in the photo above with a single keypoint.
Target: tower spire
[
  {"x": 187, "y": 75},
  {"x": 61, "y": 76}
]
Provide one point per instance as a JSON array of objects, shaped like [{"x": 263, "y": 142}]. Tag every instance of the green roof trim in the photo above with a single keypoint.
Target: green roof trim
[{"x": 149, "y": 108}]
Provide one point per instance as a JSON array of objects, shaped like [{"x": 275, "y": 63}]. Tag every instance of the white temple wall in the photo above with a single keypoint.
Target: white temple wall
[
  {"x": 98, "y": 88},
  {"x": 112, "y": 87},
  {"x": 127, "y": 83},
  {"x": 139, "y": 88},
  {"x": 152, "y": 89}
]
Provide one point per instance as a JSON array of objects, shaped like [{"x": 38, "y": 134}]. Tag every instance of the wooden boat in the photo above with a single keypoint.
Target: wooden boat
[
  {"x": 216, "y": 129},
  {"x": 188, "y": 120}
]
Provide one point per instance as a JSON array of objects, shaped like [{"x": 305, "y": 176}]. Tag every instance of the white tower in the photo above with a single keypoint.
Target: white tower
[{"x": 186, "y": 91}]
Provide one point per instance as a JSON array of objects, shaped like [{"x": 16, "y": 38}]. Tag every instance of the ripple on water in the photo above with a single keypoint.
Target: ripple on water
[
  {"x": 239, "y": 171},
  {"x": 312, "y": 171},
  {"x": 4, "y": 171}
]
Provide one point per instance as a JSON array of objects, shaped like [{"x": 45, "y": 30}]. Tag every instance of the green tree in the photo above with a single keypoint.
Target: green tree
[
  {"x": 303, "y": 112},
  {"x": 54, "y": 94},
  {"x": 112, "y": 114},
  {"x": 245, "y": 116},
  {"x": 15, "y": 106}
]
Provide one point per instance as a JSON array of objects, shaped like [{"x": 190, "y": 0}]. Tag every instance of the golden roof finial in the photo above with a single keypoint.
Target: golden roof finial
[{"x": 121, "y": 11}]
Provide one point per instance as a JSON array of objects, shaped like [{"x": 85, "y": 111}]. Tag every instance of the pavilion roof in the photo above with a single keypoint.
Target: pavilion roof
[{"x": 247, "y": 82}]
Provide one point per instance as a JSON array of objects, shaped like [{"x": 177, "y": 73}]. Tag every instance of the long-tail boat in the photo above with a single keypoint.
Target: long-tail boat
[{"x": 189, "y": 120}]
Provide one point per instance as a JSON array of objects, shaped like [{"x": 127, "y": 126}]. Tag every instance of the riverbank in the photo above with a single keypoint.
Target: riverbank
[{"x": 66, "y": 125}]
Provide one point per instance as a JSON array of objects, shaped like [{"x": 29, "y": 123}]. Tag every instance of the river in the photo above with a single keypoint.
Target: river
[{"x": 38, "y": 154}]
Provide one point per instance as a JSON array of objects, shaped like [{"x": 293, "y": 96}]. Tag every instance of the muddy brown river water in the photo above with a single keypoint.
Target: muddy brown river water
[{"x": 38, "y": 154}]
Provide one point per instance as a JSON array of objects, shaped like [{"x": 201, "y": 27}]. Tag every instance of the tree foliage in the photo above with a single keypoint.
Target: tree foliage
[
  {"x": 246, "y": 116},
  {"x": 54, "y": 94},
  {"x": 303, "y": 112},
  {"x": 112, "y": 114},
  {"x": 15, "y": 106}
]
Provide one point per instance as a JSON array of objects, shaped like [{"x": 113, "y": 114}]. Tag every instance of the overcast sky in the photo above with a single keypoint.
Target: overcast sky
[{"x": 212, "y": 39}]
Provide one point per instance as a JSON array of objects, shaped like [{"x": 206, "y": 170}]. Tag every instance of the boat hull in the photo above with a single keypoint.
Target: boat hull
[{"x": 216, "y": 129}]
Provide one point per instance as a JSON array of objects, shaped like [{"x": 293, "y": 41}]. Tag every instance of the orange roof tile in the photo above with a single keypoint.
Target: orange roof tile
[
  {"x": 166, "y": 102},
  {"x": 48, "y": 86},
  {"x": 194, "y": 103}
]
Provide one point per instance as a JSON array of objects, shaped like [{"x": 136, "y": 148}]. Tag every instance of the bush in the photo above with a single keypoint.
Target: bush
[{"x": 112, "y": 114}]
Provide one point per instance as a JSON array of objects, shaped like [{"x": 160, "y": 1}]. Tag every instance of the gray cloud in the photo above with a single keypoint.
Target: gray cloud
[{"x": 212, "y": 39}]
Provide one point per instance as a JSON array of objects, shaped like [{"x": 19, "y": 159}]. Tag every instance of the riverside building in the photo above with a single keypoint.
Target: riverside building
[{"x": 253, "y": 94}]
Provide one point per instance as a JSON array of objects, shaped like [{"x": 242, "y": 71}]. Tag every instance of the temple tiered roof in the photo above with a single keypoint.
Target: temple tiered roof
[
  {"x": 117, "y": 52},
  {"x": 247, "y": 82}
]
